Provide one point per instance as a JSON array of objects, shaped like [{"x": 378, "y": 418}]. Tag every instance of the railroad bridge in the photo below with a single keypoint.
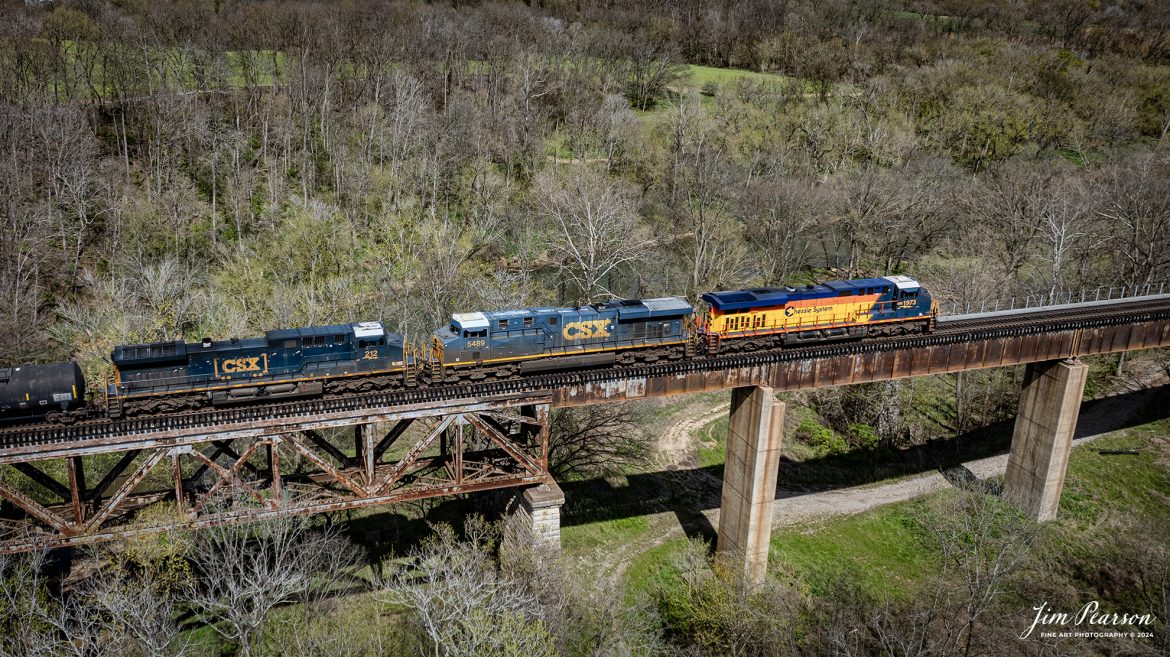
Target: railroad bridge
[{"x": 86, "y": 482}]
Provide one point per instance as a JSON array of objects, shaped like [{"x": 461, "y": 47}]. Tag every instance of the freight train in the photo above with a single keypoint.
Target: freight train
[{"x": 176, "y": 376}]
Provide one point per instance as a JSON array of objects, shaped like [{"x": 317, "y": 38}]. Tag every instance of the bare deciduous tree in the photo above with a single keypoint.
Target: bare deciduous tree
[
  {"x": 1067, "y": 226},
  {"x": 461, "y": 605},
  {"x": 984, "y": 542},
  {"x": 592, "y": 227},
  {"x": 595, "y": 440},
  {"x": 1006, "y": 207},
  {"x": 39, "y": 624},
  {"x": 780, "y": 217},
  {"x": 241, "y": 573},
  {"x": 1135, "y": 200},
  {"x": 140, "y": 615}
]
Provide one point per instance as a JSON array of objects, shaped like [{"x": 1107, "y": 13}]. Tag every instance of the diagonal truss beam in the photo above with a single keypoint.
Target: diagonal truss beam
[
  {"x": 227, "y": 476},
  {"x": 125, "y": 489},
  {"x": 337, "y": 474},
  {"x": 113, "y": 474},
  {"x": 412, "y": 456},
  {"x": 36, "y": 510},
  {"x": 391, "y": 437},
  {"x": 325, "y": 446},
  {"x": 36, "y": 474},
  {"x": 217, "y": 448},
  {"x": 57, "y": 515},
  {"x": 497, "y": 437}
]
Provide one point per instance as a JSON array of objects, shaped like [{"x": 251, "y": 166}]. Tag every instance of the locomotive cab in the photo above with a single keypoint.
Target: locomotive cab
[
  {"x": 465, "y": 338},
  {"x": 909, "y": 298},
  {"x": 284, "y": 363}
]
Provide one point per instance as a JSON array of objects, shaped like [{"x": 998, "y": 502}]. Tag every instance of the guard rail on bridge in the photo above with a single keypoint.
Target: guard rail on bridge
[{"x": 1045, "y": 300}]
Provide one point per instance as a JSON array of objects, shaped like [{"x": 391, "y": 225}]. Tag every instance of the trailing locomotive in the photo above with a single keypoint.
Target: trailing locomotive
[
  {"x": 349, "y": 358},
  {"x": 284, "y": 364},
  {"x": 768, "y": 318},
  {"x": 502, "y": 344},
  {"x": 41, "y": 391}
]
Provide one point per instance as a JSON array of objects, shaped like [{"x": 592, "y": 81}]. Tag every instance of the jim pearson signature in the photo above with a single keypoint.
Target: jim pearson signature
[{"x": 1090, "y": 614}]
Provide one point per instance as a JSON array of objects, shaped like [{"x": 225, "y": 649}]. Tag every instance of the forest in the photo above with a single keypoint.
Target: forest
[{"x": 180, "y": 169}]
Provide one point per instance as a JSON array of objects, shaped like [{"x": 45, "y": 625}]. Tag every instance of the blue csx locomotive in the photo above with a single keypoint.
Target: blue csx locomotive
[
  {"x": 286, "y": 363},
  {"x": 348, "y": 358},
  {"x": 501, "y": 344}
]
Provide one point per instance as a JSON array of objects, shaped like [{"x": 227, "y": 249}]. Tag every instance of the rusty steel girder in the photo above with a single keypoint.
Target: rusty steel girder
[
  {"x": 867, "y": 367},
  {"x": 239, "y": 476}
]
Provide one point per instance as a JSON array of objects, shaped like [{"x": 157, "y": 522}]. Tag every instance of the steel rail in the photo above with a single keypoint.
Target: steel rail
[{"x": 954, "y": 331}]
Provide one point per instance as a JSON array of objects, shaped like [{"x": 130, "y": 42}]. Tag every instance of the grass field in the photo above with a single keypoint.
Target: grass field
[
  {"x": 582, "y": 538},
  {"x": 713, "y": 444},
  {"x": 701, "y": 75},
  {"x": 885, "y": 550}
]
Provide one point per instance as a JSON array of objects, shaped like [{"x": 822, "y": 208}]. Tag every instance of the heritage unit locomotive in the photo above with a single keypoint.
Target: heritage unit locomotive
[{"x": 765, "y": 318}]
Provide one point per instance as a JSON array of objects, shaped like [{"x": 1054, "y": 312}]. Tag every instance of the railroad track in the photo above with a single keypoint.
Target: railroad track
[{"x": 949, "y": 331}]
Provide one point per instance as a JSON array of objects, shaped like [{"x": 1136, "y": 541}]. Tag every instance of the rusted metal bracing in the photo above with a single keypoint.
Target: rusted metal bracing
[
  {"x": 172, "y": 431},
  {"x": 235, "y": 476}
]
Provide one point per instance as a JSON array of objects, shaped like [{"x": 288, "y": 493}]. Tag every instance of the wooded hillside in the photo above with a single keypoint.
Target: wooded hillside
[{"x": 182, "y": 169}]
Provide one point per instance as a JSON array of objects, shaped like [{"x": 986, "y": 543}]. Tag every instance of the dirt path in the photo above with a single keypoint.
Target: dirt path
[
  {"x": 675, "y": 445},
  {"x": 795, "y": 507}
]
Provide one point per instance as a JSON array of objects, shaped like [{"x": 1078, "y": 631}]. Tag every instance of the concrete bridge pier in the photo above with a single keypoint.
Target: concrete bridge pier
[
  {"x": 1042, "y": 439},
  {"x": 749, "y": 481}
]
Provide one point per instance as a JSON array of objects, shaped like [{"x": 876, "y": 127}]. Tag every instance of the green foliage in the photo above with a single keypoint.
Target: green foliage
[
  {"x": 654, "y": 569},
  {"x": 160, "y": 557},
  {"x": 822, "y": 438},
  {"x": 863, "y": 436},
  {"x": 986, "y": 124},
  {"x": 509, "y": 634},
  {"x": 707, "y": 605},
  {"x": 1102, "y": 370}
]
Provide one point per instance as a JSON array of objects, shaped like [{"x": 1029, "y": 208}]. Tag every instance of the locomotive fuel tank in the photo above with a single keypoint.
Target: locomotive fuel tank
[{"x": 32, "y": 391}]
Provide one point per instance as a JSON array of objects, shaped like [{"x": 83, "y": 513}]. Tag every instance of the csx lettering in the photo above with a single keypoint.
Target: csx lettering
[
  {"x": 240, "y": 365},
  {"x": 595, "y": 328}
]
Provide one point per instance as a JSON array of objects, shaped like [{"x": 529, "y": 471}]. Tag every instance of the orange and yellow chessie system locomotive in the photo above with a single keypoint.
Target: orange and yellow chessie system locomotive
[{"x": 833, "y": 305}]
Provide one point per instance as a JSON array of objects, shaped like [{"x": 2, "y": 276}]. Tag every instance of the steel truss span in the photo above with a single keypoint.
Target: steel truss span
[
  {"x": 251, "y": 462},
  {"x": 241, "y": 473}
]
